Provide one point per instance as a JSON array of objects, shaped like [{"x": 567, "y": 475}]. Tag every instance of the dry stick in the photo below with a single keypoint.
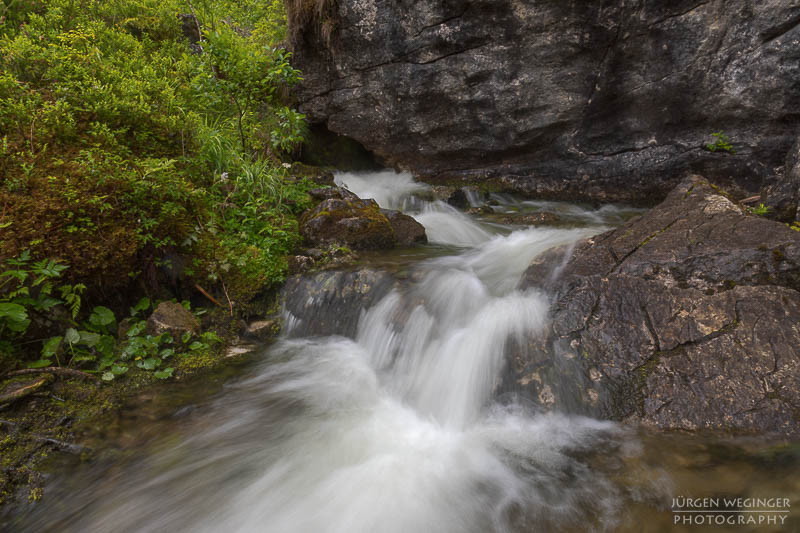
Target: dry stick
[
  {"x": 751, "y": 199},
  {"x": 203, "y": 291},
  {"x": 51, "y": 370},
  {"x": 26, "y": 390},
  {"x": 197, "y": 23},
  {"x": 230, "y": 304}
]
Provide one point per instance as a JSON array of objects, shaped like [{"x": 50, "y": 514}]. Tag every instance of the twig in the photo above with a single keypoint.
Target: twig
[
  {"x": 751, "y": 199},
  {"x": 204, "y": 293},
  {"x": 197, "y": 23},
  {"x": 77, "y": 449},
  {"x": 230, "y": 304},
  {"x": 26, "y": 390},
  {"x": 51, "y": 370}
]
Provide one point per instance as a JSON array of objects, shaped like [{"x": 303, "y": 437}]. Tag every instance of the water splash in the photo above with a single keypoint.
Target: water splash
[{"x": 391, "y": 431}]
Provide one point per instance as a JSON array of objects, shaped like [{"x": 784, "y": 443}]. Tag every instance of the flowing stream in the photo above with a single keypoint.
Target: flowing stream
[{"x": 396, "y": 429}]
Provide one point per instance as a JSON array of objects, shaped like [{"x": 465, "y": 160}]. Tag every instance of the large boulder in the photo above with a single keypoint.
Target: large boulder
[
  {"x": 596, "y": 100},
  {"x": 331, "y": 302},
  {"x": 407, "y": 230},
  {"x": 781, "y": 194},
  {"x": 172, "y": 318},
  {"x": 685, "y": 318},
  {"x": 347, "y": 221}
]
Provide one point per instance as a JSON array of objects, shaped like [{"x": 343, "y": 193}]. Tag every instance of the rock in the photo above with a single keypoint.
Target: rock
[
  {"x": 172, "y": 318},
  {"x": 407, "y": 230},
  {"x": 602, "y": 101},
  {"x": 299, "y": 264},
  {"x": 262, "y": 330},
  {"x": 781, "y": 194},
  {"x": 239, "y": 349},
  {"x": 458, "y": 199},
  {"x": 482, "y": 210},
  {"x": 331, "y": 302},
  {"x": 326, "y": 193},
  {"x": 528, "y": 219},
  {"x": 684, "y": 318},
  {"x": 320, "y": 176},
  {"x": 352, "y": 222}
]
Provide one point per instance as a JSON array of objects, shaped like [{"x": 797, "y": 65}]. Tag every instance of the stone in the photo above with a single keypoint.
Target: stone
[
  {"x": 407, "y": 230},
  {"x": 528, "y": 219},
  {"x": 172, "y": 318},
  {"x": 262, "y": 330},
  {"x": 318, "y": 175},
  {"x": 683, "y": 319},
  {"x": 781, "y": 194},
  {"x": 351, "y": 222},
  {"x": 598, "y": 101},
  {"x": 331, "y": 302}
]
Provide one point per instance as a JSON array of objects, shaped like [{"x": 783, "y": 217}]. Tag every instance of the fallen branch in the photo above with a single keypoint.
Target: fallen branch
[
  {"x": 751, "y": 199},
  {"x": 52, "y": 370},
  {"x": 26, "y": 390},
  {"x": 204, "y": 293}
]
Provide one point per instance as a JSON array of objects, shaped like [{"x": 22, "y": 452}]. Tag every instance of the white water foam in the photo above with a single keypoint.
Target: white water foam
[{"x": 394, "y": 431}]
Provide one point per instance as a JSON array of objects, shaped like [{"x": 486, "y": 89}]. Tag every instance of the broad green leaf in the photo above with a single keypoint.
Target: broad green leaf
[
  {"x": 142, "y": 305},
  {"x": 197, "y": 345},
  {"x": 102, "y": 316},
  {"x": 41, "y": 363},
  {"x": 108, "y": 376},
  {"x": 16, "y": 317},
  {"x": 118, "y": 370},
  {"x": 166, "y": 352},
  {"x": 149, "y": 364},
  {"x": 164, "y": 374},
  {"x": 72, "y": 336},
  {"x": 89, "y": 339},
  {"x": 106, "y": 345},
  {"x": 51, "y": 346}
]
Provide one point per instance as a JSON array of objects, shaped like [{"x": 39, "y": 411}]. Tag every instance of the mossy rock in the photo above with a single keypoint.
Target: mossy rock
[{"x": 352, "y": 222}]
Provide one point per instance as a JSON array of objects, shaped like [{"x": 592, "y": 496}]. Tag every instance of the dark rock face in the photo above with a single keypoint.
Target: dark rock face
[
  {"x": 685, "y": 318},
  {"x": 331, "y": 302},
  {"x": 348, "y": 221},
  {"x": 782, "y": 193},
  {"x": 595, "y": 100},
  {"x": 407, "y": 230}
]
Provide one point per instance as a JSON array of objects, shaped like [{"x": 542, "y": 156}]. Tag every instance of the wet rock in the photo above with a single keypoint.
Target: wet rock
[
  {"x": 684, "y": 318},
  {"x": 331, "y": 302},
  {"x": 262, "y": 330},
  {"x": 299, "y": 264},
  {"x": 407, "y": 230},
  {"x": 607, "y": 101},
  {"x": 482, "y": 210},
  {"x": 781, "y": 194},
  {"x": 172, "y": 318},
  {"x": 348, "y": 221},
  {"x": 458, "y": 199},
  {"x": 326, "y": 193},
  {"x": 320, "y": 176},
  {"x": 529, "y": 219}
]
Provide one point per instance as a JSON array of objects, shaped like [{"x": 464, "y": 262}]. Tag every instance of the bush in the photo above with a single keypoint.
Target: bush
[{"x": 125, "y": 144}]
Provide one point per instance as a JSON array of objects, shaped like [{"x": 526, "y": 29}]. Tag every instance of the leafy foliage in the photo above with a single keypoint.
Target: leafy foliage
[
  {"x": 125, "y": 142},
  {"x": 32, "y": 296},
  {"x": 722, "y": 143}
]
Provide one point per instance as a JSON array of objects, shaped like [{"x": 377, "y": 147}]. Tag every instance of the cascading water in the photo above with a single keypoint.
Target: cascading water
[{"x": 394, "y": 430}]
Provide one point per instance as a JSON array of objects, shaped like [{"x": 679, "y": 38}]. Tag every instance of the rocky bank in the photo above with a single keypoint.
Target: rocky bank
[{"x": 687, "y": 318}]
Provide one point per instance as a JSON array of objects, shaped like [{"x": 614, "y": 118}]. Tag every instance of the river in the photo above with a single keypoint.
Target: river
[{"x": 399, "y": 428}]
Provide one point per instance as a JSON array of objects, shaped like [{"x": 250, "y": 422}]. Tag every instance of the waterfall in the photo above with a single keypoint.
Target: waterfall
[{"x": 393, "y": 429}]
